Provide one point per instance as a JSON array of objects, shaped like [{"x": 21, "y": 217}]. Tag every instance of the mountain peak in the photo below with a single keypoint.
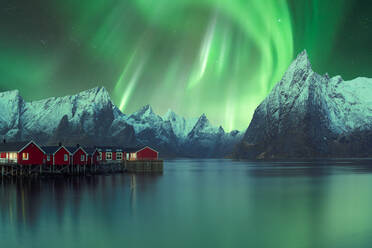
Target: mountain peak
[
  {"x": 203, "y": 117},
  {"x": 203, "y": 121},
  {"x": 10, "y": 93},
  {"x": 302, "y": 61},
  {"x": 170, "y": 115},
  {"x": 145, "y": 112},
  {"x": 146, "y": 108},
  {"x": 98, "y": 90}
]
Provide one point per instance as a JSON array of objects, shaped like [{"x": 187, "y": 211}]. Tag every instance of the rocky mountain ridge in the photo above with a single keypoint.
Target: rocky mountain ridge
[
  {"x": 90, "y": 118},
  {"x": 311, "y": 115}
]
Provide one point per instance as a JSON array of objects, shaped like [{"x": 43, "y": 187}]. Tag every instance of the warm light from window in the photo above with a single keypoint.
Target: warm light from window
[{"x": 25, "y": 156}]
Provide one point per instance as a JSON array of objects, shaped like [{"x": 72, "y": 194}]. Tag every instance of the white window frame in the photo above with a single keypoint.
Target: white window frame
[
  {"x": 25, "y": 156},
  {"x": 107, "y": 155},
  {"x": 100, "y": 155},
  {"x": 127, "y": 154},
  {"x": 48, "y": 158},
  {"x": 117, "y": 156},
  {"x": 82, "y": 157},
  {"x": 65, "y": 157}
]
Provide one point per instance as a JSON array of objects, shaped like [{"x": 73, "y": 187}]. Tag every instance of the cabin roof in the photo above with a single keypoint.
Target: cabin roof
[
  {"x": 109, "y": 148},
  {"x": 50, "y": 149},
  {"x": 13, "y": 146},
  {"x": 134, "y": 149},
  {"x": 89, "y": 150},
  {"x": 72, "y": 149}
]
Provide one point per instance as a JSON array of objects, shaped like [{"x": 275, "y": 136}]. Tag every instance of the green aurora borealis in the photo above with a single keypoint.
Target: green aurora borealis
[{"x": 219, "y": 57}]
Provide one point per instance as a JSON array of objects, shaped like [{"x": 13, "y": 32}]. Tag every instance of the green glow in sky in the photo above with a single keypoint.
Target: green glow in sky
[{"x": 218, "y": 57}]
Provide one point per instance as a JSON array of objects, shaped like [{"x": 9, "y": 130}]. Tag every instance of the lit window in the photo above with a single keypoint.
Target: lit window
[
  {"x": 65, "y": 157},
  {"x": 133, "y": 156},
  {"x": 82, "y": 158},
  {"x": 108, "y": 155},
  {"x": 25, "y": 156},
  {"x": 119, "y": 156},
  {"x": 48, "y": 158},
  {"x": 127, "y": 156},
  {"x": 100, "y": 155}
]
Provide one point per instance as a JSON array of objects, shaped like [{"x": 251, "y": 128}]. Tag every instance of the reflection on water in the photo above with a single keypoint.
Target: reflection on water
[{"x": 195, "y": 203}]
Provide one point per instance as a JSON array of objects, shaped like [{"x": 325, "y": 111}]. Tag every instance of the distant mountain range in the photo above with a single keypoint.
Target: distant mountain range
[
  {"x": 90, "y": 118},
  {"x": 308, "y": 115}
]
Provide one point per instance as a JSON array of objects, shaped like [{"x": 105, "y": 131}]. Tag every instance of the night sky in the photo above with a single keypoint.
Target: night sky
[{"x": 219, "y": 57}]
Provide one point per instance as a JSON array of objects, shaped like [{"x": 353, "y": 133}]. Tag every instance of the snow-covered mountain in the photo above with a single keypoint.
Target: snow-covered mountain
[
  {"x": 91, "y": 118},
  {"x": 181, "y": 127},
  {"x": 310, "y": 115},
  {"x": 174, "y": 134},
  {"x": 85, "y": 118}
]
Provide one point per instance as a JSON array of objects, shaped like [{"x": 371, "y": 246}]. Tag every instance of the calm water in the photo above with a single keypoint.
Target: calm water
[{"x": 195, "y": 203}]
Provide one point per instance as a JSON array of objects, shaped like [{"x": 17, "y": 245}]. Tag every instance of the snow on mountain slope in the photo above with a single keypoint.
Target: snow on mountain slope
[
  {"x": 82, "y": 110},
  {"x": 144, "y": 118},
  {"x": 306, "y": 114},
  {"x": 351, "y": 103},
  {"x": 11, "y": 105},
  {"x": 181, "y": 127},
  {"x": 87, "y": 117},
  {"x": 91, "y": 118}
]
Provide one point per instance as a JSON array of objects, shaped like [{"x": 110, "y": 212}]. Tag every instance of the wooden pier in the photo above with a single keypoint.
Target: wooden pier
[
  {"x": 144, "y": 166},
  {"x": 135, "y": 166}
]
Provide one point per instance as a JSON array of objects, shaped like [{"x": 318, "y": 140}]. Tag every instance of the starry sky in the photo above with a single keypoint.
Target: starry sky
[{"x": 218, "y": 57}]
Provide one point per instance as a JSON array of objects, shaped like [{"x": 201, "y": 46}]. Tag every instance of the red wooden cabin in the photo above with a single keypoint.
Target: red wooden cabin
[
  {"x": 93, "y": 155},
  {"x": 56, "y": 155},
  {"x": 31, "y": 154},
  {"x": 79, "y": 155},
  {"x": 62, "y": 156},
  {"x": 141, "y": 153},
  {"x": 24, "y": 153}
]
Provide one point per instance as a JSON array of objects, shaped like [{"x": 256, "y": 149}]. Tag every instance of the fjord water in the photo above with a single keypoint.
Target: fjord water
[{"x": 195, "y": 203}]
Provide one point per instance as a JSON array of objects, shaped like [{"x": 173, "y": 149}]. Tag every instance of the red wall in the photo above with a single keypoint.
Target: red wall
[
  {"x": 35, "y": 155},
  {"x": 59, "y": 157},
  {"x": 3, "y": 155},
  {"x": 46, "y": 160},
  {"x": 95, "y": 157},
  {"x": 77, "y": 157},
  {"x": 113, "y": 156},
  {"x": 147, "y": 154}
]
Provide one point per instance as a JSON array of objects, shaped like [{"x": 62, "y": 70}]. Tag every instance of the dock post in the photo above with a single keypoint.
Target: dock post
[{"x": 2, "y": 170}]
